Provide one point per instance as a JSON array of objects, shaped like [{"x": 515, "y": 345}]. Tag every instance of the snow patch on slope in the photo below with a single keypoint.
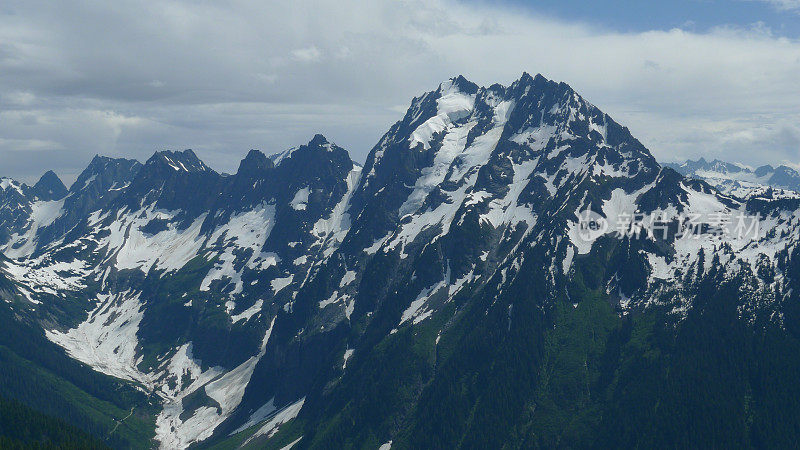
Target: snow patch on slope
[
  {"x": 452, "y": 105},
  {"x": 335, "y": 226},
  {"x": 245, "y": 231},
  {"x": 167, "y": 250},
  {"x": 300, "y": 200},
  {"x": 107, "y": 340},
  {"x": 43, "y": 214},
  {"x": 286, "y": 414},
  {"x": 227, "y": 390}
]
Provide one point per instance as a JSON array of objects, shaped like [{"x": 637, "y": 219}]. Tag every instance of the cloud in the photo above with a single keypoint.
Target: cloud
[
  {"x": 784, "y": 5},
  {"x": 132, "y": 77},
  {"x": 310, "y": 54}
]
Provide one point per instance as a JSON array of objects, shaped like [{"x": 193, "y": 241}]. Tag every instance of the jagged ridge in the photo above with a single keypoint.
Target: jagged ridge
[{"x": 303, "y": 284}]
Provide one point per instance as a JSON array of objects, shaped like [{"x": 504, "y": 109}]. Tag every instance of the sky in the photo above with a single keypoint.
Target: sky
[{"x": 690, "y": 78}]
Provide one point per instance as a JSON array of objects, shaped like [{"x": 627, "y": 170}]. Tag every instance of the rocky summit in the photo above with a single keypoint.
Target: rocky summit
[{"x": 510, "y": 268}]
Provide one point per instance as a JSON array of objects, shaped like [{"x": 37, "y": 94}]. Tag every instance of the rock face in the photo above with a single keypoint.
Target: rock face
[
  {"x": 49, "y": 187},
  {"x": 449, "y": 293}
]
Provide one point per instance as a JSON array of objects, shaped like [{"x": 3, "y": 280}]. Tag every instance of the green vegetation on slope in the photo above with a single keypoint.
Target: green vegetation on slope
[
  {"x": 23, "y": 428},
  {"x": 37, "y": 373}
]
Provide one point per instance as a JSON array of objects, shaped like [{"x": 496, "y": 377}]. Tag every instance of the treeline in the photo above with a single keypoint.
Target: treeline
[
  {"x": 37, "y": 373},
  {"x": 518, "y": 369}
]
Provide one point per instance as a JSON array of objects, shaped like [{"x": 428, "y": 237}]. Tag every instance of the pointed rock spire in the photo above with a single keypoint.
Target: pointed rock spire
[{"x": 50, "y": 187}]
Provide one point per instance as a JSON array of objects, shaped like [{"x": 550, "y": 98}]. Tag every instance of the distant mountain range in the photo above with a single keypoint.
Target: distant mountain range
[
  {"x": 509, "y": 268},
  {"x": 739, "y": 179}
]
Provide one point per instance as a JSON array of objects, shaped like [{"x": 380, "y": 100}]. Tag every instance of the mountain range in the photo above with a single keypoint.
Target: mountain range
[
  {"x": 738, "y": 179},
  {"x": 449, "y": 293}
]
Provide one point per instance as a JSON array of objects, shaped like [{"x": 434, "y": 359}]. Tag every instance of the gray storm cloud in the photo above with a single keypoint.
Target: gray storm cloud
[{"x": 127, "y": 78}]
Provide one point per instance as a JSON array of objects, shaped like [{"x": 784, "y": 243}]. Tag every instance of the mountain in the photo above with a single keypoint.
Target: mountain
[
  {"x": 50, "y": 187},
  {"x": 510, "y": 267},
  {"x": 49, "y": 398},
  {"x": 740, "y": 180}
]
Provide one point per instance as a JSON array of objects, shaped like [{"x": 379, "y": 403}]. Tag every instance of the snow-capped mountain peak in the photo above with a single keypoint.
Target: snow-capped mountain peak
[
  {"x": 179, "y": 161},
  {"x": 305, "y": 286},
  {"x": 739, "y": 179}
]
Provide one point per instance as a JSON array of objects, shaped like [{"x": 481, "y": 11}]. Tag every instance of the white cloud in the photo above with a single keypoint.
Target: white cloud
[
  {"x": 784, "y": 5},
  {"x": 224, "y": 77},
  {"x": 310, "y": 54}
]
